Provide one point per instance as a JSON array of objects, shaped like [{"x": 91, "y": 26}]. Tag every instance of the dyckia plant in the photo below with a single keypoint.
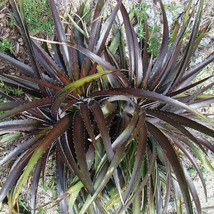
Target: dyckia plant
[{"x": 116, "y": 120}]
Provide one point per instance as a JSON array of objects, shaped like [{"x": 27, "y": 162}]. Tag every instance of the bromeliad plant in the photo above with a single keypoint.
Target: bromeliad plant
[{"x": 119, "y": 123}]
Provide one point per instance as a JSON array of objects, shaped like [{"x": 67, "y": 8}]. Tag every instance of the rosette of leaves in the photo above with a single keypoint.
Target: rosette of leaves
[{"x": 118, "y": 123}]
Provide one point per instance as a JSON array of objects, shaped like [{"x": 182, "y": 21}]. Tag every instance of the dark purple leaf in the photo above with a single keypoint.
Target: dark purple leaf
[
  {"x": 96, "y": 25},
  {"x": 19, "y": 149},
  {"x": 147, "y": 74},
  {"x": 70, "y": 104},
  {"x": 28, "y": 105},
  {"x": 193, "y": 161},
  {"x": 107, "y": 28},
  {"x": 25, "y": 34},
  {"x": 66, "y": 51},
  {"x": 178, "y": 125},
  {"x": 94, "y": 57},
  {"x": 61, "y": 181},
  {"x": 94, "y": 35},
  {"x": 40, "y": 148},
  {"x": 24, "y": 69},
  {"x": 78, "y": 36},
  {"x": 68, "y": 158},
  {"x": 145, "y": 59},
  {"x": 14, "y": 174},
  {"x": 75, "y": 61},
  {"x": 190, "y": 46},
  {"x": 183, "y": 89},
  {"x": 18, "y": 125},
  {"x": 190, "y": 123},
  {"x": 130, "y": 41},
  {"x": 138, "y": 61},
  {"x": 48, "y": 63},
  {"x": 202, "y": 102},
  {"x": 44, "y": 83},
  {"x": 193, "y": 71},
  {"x": 193, "y": 191},
  {"x": 87, "y": 121},
  {"x": 170, "y": 70},
  {"x": 11, "y": 105},
  {"x": 168, "y": 190},
  {"x": 34, "y": 155},
  {"x": 58, "y": 99},
  {"x": 151, "y": 95},
  {"x": 66, "y": 153},
  {"x": 161, "y": 59},
  {"x": 174, "y": 161},
  {"x": 101, "y": 123},
  {"x": 13, "y": 81},
  {"x": 79, "y": 144},
  {"x": 34, "y": 185}
]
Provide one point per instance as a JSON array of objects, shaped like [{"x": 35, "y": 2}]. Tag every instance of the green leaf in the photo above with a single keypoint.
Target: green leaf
[
  {"x": 74, "y": 191},
  {"x": 9, "y": 137},
  {"x": 141, "y": 148},
  {"x": 149, "y": 169},
  {"x": 78, "y": 83},
  {"x": 62, "y": 94},
  {"x": 114, "y": 163}
]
